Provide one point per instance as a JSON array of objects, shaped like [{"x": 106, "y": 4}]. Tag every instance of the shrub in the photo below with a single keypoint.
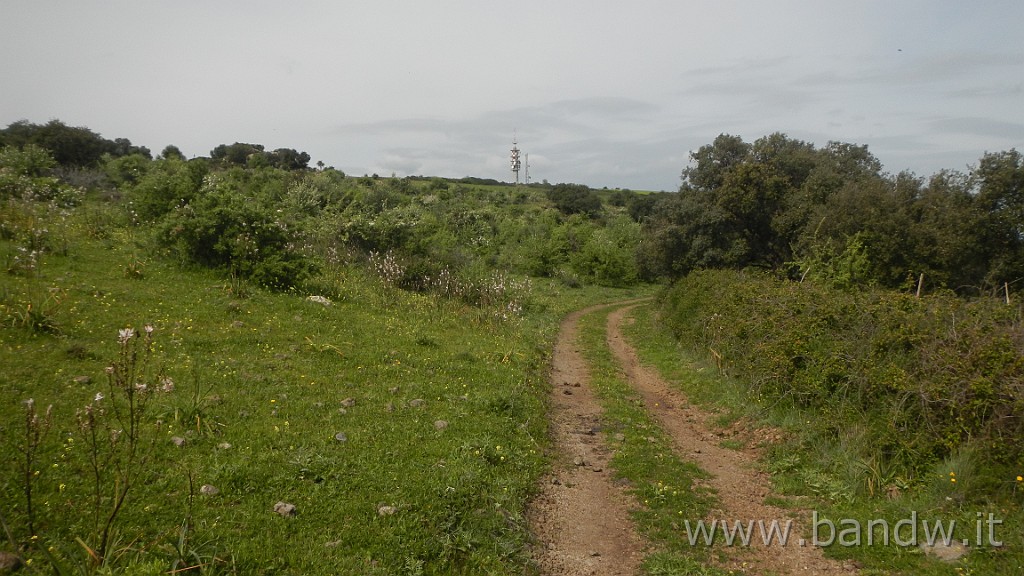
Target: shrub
[
  {"x": 575, "y": 199},
  {"x": 223, "y": 228},
  {"x": 167, "y": 185},
  {"x": 928, "y": 375}
]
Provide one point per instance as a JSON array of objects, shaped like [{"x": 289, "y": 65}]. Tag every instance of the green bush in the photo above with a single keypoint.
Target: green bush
[
  {"x": 223, "y": 228},
  {"x": 165, "y": 186},
  {"x": 925, "y": 375}
]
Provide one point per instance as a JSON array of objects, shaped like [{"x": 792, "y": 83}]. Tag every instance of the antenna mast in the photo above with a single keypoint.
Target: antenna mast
[{"x": 516, "y": 163}]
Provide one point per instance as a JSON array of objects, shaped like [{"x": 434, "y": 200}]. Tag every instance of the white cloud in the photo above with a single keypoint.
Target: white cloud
[{"x": 605, "y": 93}]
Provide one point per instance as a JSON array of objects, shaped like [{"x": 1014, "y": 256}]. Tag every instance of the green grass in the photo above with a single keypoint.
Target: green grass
[
  {"x": 796, "y": 473},
  {"x": 266, "y": 373},
  {"x": 665, "y": 486}
]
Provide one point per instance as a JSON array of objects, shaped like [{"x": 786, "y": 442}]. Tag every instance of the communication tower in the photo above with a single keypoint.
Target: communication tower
[{"x": 516, "y": 163}]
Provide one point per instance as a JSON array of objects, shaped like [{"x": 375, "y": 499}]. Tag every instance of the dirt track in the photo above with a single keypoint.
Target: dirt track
[{"x": 581, "y": 519}]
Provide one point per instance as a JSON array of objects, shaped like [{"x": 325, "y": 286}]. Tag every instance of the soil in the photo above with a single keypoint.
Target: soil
[{"x": 581, "y": 517}]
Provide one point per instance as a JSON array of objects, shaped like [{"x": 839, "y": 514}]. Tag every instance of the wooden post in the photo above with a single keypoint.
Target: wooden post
[
  {"x": 1006, "y": 290},
  {"x": 920, "y": 284}
]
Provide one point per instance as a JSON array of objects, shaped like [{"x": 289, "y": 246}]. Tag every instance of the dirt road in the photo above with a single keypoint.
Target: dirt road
[{"x": 581, "y": 519}]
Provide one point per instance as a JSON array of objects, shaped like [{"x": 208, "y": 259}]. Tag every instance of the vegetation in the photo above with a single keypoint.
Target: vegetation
[
  {"x": 821, "y": 457},
  {"x": 782, "y": 204},
  {"x": 188, "y": 343},
  {"x": 210, "y": 336}
]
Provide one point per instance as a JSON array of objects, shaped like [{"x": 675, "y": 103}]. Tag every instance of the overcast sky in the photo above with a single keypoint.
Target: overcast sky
[{"x": 604, "y": 93}]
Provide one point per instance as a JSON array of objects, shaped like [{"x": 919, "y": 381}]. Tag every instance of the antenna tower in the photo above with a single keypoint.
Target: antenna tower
[
  {"x": 526, "y": 165},
  {"x": 516, "y": 163}
]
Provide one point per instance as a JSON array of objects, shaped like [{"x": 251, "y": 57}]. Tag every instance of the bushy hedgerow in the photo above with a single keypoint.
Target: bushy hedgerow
[{"x": 925, "y": 374}]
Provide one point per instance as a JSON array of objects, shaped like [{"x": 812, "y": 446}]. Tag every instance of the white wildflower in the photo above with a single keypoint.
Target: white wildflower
[{"x": 125, "y": 334}]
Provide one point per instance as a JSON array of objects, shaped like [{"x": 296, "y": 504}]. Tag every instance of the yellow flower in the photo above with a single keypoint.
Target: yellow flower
[
  {"x": 952, "y": 473},
  {"x": 1020, "y": 478},
  {"x": 953, "y": 480}
]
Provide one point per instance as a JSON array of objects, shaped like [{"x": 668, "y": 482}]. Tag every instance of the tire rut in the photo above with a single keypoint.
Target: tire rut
[
  {"x": 580, "y": 518},
  {"x": 741, "y": 488}
]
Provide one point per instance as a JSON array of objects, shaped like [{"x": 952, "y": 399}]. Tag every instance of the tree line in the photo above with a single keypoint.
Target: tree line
[
  {"x": 831, "y": 213},
  {"x": 827, "y": 213}
]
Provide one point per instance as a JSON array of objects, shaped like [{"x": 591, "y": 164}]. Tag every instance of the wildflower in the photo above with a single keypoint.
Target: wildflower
[
  {"x": 1020, "y": 478},
  {"x": 148, "y": 328},
  {"x": 125, "y": 334},
  {"x": 99, "y": 396},
  {"x": 166, "y": 384},
  {"x": 141, "y": 387}
]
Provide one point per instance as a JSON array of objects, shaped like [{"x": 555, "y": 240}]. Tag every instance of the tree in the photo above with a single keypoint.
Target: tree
[
  {"x": 713, "y": 161},
  {"x": 290, "y": 159},
  {"x": 1000, "y": 184},
  {"x": 172, "y": 152},
  {"x": 77, "y": 147},
  {"x": 575, "y": 199},
  {"x": 237, "y": 153}
]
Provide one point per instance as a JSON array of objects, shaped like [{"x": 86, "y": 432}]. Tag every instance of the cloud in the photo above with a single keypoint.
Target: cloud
[{"x": 984, "y": 127}]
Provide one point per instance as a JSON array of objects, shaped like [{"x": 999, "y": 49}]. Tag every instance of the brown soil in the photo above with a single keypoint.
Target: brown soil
[{"x": 581, "y": 520}]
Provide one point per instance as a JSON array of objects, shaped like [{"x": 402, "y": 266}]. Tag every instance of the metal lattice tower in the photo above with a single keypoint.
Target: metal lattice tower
[{"x": 516, "y": 163}]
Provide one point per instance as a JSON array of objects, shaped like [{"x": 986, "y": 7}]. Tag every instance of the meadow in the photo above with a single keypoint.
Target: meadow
[
  {"x": 239, "y": 365},
  {"x": 407, "y": 429}
]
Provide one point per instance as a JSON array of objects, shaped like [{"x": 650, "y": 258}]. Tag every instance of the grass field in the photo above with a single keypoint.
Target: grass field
[{"x": 406, "y": 430}]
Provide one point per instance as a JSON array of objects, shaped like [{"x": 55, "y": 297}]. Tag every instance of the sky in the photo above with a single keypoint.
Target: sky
[{"x": 608, "y": 94}]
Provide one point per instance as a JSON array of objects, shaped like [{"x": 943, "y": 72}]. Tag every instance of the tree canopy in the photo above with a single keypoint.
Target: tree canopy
[
  {"x": 70, "y": 146},
  {"x": 783, "y": 204}
]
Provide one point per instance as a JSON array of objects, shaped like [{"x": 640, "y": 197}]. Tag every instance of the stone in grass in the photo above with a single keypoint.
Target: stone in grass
[
  {"x": 178, "y": 441},
  {"x": 10, "y": 563},
  {"x": 386, "y": 510},
  {"x": 83, "y": 379},
  {"x": 417, "y": 403},
  {"x": 224, "y": 445},
  {"x": 341, "y": 437},
  {"x": 325, "y": 301},
  {"x": 947, "y": 553},
  {"x": 440, "y": 424},
  {"x": 209, "y": 490},
  {"x": 285, "y": 509},
  {"x": 348, "y": 402}
]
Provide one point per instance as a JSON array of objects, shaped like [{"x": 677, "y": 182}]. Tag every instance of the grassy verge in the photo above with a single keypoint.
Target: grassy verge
[
  {"x": 795, "y": 464},
  {"x": 664, "y": 485},
  {"x": 406, "y": 430}
]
